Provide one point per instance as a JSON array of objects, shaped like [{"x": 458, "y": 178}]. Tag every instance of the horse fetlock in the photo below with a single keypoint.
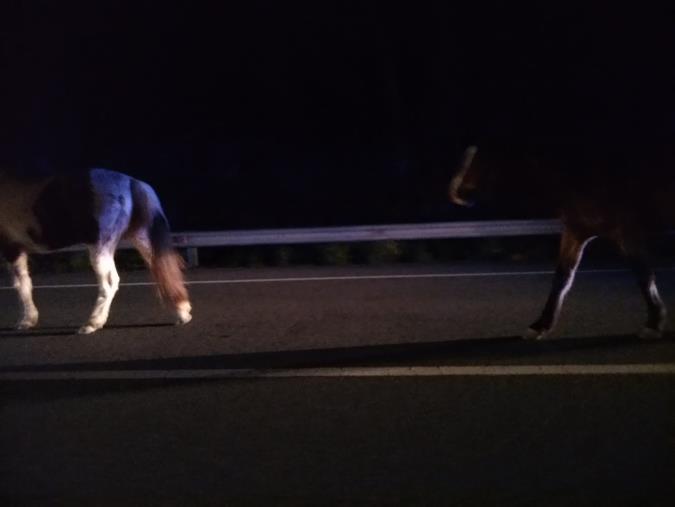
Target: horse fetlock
[
  {"x": 95, "y": 323},
  {"x": 28, "y": 321},
  {"x": 88, "y": 328},
  {"x": 655, "y": 325},
  {"x": 183, "y": 312},
  {"x": 532, "y": 333},
  {"x": 650, "y": 333}
]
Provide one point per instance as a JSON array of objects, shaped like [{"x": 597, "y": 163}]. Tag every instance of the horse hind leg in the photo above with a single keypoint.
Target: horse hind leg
[
  {"x": 143, "y": 245},
  {"x": 113, "y": 214},
  {"x": 103, "y": 262},
  {"x": 24, "y": 287},
  {"x": 656, "y": 309}
]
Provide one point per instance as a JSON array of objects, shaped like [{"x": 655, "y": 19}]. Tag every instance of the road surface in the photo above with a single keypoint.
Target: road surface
[{"x": 340, "y": 386}]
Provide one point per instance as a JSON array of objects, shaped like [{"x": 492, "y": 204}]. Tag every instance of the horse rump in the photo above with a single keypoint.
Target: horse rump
[{"x": 149, "y": 229}]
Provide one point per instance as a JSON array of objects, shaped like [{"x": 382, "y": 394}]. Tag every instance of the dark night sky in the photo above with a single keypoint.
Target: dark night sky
[{"x": 273, "y": 114}]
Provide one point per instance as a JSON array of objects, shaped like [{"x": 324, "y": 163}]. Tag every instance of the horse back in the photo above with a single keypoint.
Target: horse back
[
  {"x": 622, "y": 194},
  {"x": 46, "y": 214}
]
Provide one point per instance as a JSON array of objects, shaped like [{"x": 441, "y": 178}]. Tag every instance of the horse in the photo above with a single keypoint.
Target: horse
[
  {"x": 626, "y": 198},
  {"x": 97, "y": 208}
]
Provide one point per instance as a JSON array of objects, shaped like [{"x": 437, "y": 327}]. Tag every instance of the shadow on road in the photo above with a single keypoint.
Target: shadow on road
[
  {"x": 501, "y": 350},
  {"x": 509, "y": 350},
  {"x": 10, "y": 332}
]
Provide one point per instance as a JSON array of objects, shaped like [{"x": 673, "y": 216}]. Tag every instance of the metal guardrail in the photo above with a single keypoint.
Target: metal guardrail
[
  {"x": 368, "y": 233},
  {"x": 192, "y": 240}
]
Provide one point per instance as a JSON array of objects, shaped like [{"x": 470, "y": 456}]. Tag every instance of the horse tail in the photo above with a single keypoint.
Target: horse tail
[
  {"x": 166, "y": 265},
  {"x": 469, "y": 155}
]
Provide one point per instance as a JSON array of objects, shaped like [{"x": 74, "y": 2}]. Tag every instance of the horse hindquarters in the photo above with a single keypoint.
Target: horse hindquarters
[
  {"x": 151, "y": 235},
  {"x": 130, "y": 208},
  {"x": 113, "y": 208}
]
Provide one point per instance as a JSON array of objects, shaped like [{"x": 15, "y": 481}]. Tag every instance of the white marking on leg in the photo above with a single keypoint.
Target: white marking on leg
[
  {"x": 656, "y": 299},
  {"x": 103, "y": 263},
  {"x": 24, "y": 287},
  {"x": 648, "y": 333},
  {"x": 566, "y": 288},
  {"x": 538, "y": 334},
  {"x": 183, "y": 310},
  {"x": 570, "y": 279}
]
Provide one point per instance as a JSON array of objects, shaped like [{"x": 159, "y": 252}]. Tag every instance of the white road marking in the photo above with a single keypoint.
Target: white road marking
[
  {"x": 353, "y": 372},
  {"x": 230, "y": 281}
]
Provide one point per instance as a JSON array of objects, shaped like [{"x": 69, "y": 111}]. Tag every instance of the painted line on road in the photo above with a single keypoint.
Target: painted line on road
[
  {"x": 231, "y": 281},
  {"x": 353, "y": 372}
]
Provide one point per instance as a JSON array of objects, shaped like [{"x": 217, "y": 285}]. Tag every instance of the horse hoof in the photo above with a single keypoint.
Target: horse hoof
[
  {"x": 183, "y": 319},
  {"x": 87, "y": 329},
  {"x": 25, "y": 324},
  {"x": 183, "y": 315},
  {"x": 534, "y": 334},
  {"x": 649, "y": 333}
]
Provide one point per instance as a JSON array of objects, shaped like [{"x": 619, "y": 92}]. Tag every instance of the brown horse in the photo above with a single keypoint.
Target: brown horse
[
  {"x": 97, "y": 208},
  {"x": 621, "y": 198}
]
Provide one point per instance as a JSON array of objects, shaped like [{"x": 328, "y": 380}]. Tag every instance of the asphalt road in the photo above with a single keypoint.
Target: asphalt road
[
  {"x": 383, "y": 436},
  {"x": 273, "y": 310}
]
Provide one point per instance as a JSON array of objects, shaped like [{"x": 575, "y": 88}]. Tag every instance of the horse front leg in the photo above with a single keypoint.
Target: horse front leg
[
  {"x": 571, "y": 251},
  {"x": 24, "y": 287},
  {"x": 656, "y": 309}
]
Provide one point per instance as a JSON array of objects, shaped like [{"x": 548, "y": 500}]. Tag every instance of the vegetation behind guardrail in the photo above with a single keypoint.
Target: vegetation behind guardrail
[{"x": 514, "y": 249}]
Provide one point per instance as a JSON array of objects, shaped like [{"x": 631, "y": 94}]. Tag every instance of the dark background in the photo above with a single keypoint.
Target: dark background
[{"x": 282, "y": 114}]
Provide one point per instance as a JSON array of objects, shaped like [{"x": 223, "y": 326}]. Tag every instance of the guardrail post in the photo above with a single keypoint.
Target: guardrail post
[{"x": 192, "y": 257}]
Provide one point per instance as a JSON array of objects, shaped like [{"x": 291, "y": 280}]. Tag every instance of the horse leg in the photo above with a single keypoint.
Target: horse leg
[
  {"x": 24, "y": 287},
  {"x": 142, "y": 243},
  {"x": 656, "y": 309},
  {"x": 103, "y": 261},
  {"x": 571, "y": 250}
]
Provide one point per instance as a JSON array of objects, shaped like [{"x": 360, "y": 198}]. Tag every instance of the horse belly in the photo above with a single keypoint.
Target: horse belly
[
  {"x": 23, "y": 235},
  {"x": 65, "y": 213}
]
